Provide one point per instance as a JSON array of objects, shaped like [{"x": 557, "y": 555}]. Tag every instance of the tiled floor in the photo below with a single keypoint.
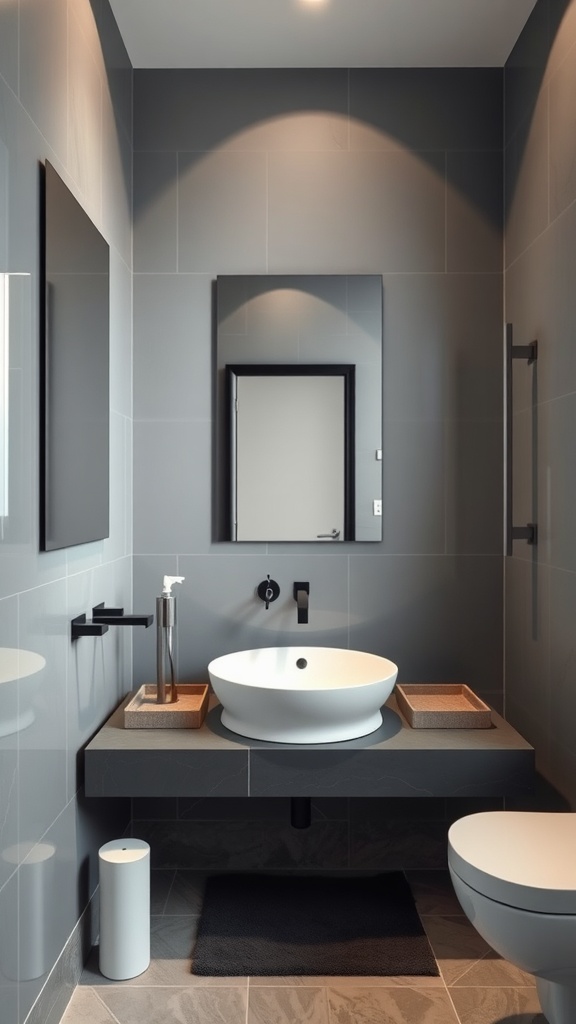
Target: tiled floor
[{"x": 475, "y": 987}]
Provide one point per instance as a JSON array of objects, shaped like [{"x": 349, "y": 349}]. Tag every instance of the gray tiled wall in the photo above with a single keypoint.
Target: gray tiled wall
[
  {"x": 65, "y": 95},
  {"x": 394, "y": 172},
  {"x": 385, "y": 171},
  {"x": 540, "y": 157}
]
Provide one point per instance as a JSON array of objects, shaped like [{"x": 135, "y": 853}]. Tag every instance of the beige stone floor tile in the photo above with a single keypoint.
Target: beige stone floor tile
[
  {"x": 433, "y": 892},
  {"x": 86, "y": 1007},
  {"x": 286, "y": 1005},
  {"x": 171, "y": 944},
  {"x": 493, "y": 971},
  {"x": 390, "y": 1006},
  {"x": 457, "y": 946},
  {"x": 497, "y": 1005},
  {"x": 171, "y": 1005},
  {"x": 160, "y": 884},
  {"x": 186, "y": 893}
]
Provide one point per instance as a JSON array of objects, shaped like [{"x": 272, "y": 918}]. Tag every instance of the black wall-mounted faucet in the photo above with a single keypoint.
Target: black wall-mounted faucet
[
  {"x": 301, "y": 593},
  {"x": 268, "y": 590}
]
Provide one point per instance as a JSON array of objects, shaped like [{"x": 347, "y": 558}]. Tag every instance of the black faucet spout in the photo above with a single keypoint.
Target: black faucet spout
[
  {"x": 116, "y": 617},
  {"x": 301, "y": 594}
]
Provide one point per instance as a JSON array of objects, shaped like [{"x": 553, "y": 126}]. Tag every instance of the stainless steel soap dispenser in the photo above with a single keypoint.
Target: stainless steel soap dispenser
[{"x": 167, "y": 692}]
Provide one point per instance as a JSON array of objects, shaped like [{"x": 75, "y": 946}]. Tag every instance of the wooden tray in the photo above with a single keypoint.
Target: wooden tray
[
  {"x": 189, "y": 711},
  {"x": 442, "y": 706}
]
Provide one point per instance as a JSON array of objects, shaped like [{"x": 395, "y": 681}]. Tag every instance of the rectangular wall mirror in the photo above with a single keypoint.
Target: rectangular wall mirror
[
  {"x": 75, "y": 400},
  {"x": 299, "y": 408}
]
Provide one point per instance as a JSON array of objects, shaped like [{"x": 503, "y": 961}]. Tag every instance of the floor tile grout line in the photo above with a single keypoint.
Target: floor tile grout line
[
  {"x": 105, "y": 1005},
  {"x": 171, "y": 886},
  {"x": 453, "y": 1005}
]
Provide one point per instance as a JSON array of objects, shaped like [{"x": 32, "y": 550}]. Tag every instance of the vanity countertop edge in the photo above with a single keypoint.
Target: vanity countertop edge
[{"x": 396, "y": 760}]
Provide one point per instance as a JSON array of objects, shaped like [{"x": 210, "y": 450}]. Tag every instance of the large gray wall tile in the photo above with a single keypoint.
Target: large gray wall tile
[
  {"x": 528, "y": 680},
  {"x": 85, "y": 120},
  {"x": 561, "y": 696},
  {"x": 438, "y": 619},
  {"x": 173, "y": 515},
  {"x": 120, "y": 336},
  {"x": 526, "y": 66},
  {"x": 116, "y": 184},
  {"x": 43, "y": 69},
  {"x": 44, "y": 628},
  {"x": 8, "y": 915},
  {"x": 257, "y": 109},
  {"x": 356, "y": 212},
  {"x": 562, "y": 135},
  {"x": 474, "y": 485},
  {"x": 222, "y": 212},
  {"x": 474, "y": 210},
  {"x": 9, "y": 741},
  {"x": 173, "y": 359},
  {"x": 117, "y": 62},
  {"x": 9, "y": 44},
  {"x": 527, "y": 181},
  {"x": 155, "y": 212},
  {"x": 556, "y": 481},
  {"x": 426, "y": 108},
  {"x": 442, "y": 347},
  {"x": 413, "y": 487}
]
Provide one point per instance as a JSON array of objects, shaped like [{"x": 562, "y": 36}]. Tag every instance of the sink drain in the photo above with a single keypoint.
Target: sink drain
[{"x": 301, "y": 663}]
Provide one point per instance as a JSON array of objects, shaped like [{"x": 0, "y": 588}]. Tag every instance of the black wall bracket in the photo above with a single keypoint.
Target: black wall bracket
[
  {"x": 80, "y": 627},
  {"x": 102, "y": 618}
]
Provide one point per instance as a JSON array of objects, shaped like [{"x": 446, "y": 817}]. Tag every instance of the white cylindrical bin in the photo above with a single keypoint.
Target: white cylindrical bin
[{"x": 124, "y": 908}]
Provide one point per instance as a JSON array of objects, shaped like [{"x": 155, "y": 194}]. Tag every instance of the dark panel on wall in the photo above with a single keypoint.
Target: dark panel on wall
[{"x": 75, "y": 366}]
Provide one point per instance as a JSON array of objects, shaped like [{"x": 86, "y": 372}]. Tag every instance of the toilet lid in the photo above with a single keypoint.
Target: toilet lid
[{"x": 526, "y": 859}]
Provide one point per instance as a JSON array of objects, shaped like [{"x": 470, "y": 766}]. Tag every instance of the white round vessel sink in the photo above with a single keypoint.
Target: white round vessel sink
[{"x": 302, "y": 694}]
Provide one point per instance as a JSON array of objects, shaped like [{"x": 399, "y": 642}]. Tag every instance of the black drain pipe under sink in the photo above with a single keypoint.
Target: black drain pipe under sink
[{"x": 300, "y": 811}]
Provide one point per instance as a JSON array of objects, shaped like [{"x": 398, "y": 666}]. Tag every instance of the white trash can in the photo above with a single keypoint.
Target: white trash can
[{"x": 124, "y": 866}]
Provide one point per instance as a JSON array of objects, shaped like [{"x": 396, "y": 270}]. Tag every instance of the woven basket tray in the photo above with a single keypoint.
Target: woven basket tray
[
  {"x": 189, "y": 711},
  {"x": 442, "y": 706}
]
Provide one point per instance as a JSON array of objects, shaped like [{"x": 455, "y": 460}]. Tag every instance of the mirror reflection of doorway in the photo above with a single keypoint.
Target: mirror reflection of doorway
[{"x": 291, "y": 452}]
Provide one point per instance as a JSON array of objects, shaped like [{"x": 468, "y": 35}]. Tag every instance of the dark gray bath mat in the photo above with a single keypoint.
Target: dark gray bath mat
[{"x": 291, "y": 925}]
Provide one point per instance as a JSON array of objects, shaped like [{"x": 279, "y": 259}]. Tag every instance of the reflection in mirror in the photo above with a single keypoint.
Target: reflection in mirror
[
  {"x": 15, "y": 339},
  {"x": 293, "y": 480},
  {"x": 302, "y": 321}
]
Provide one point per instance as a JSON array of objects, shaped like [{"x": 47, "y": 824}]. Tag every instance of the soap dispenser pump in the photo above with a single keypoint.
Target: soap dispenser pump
[{"x": 167, "y": 692}]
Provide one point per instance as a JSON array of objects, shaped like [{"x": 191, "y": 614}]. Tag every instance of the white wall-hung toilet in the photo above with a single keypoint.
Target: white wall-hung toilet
[{"x": 514, "y": 873}]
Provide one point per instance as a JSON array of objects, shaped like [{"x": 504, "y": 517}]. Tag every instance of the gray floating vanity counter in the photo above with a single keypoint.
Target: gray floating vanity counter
[{"x": 396, "y": 760}]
